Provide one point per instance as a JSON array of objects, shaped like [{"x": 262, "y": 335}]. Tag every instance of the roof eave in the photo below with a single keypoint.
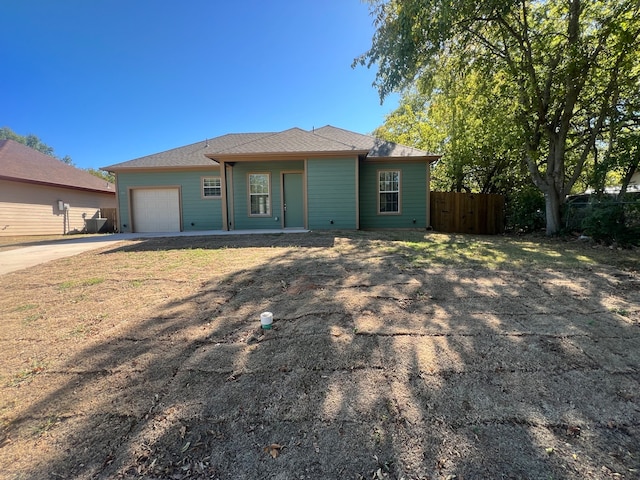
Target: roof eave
[
  {"x": 422, "y": 158},
  {"x": 116, "y": 169},
  {"x": 57, "y": 185}
]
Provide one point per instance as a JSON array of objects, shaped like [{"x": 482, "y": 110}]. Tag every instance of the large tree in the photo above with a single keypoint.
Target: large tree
[
  {"x": 566, "y": 61},
  {"x": 467, "y": 120}
]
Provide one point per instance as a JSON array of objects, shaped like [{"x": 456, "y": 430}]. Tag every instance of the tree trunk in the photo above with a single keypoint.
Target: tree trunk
[
  {"x": 553, "y": 205},
  {"x": 631, "y": 169}
]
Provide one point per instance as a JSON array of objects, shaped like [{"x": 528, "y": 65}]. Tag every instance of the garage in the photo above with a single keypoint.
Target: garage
[{"x": 155, "y": 209}]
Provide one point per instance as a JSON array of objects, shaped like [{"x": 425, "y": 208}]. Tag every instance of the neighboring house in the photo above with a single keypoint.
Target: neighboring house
[
  {"x": 634, "y": 183},
  {"x": 40, "y": 195},
  {"x": 327, "y": 178},
  {"x": 633, "y": 187}
]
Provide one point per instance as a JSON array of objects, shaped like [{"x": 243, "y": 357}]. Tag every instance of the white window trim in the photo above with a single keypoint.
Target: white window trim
[
  {"x": 268, "y": 205},
  {"x": 202, "y": 186},
  {"x": 399, "y": 191}
]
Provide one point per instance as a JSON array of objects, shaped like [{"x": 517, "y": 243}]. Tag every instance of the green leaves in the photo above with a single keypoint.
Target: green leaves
[{"x": 565, "y": 71}]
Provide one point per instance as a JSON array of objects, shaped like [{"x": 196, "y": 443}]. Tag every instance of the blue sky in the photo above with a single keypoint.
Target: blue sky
[{"x": 105, "y": 81}]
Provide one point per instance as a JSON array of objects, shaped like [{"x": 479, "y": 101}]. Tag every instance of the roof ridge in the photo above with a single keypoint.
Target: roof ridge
[
  {"x": 402, "y": 145},
  {"x": 348, "y": 131},
  {"x": 377, "y": 139},
  {"x": 266, "y": 135},
  {"x": 333, "y": 139}
]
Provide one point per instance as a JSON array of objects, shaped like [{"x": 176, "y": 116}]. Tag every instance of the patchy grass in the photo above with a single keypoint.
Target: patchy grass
[
  {"x": 45, "y": 426},
  {"x": 496, "y": 252},
  {"x": 87, "y": 282},
  {"x": 25, "y": 307},
  {"x": 26, "y": 375}
]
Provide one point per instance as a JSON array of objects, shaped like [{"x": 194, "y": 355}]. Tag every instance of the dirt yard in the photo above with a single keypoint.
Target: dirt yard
[{"x": 411, "y": 357}]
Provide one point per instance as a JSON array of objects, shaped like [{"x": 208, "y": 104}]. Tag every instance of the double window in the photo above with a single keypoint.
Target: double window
[
  {"x": 260, "y": 194},
  {"x": 211, "y": 187},
  {"x": 389, "y": 191}
]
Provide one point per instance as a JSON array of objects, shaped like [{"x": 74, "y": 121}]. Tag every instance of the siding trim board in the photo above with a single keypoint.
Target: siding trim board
[
  {"x": 229, "y": 208},
  {"x": 305, "y": 186},
  {"x": 225, "y": 195},
  {"x": 357, "y": 174}
]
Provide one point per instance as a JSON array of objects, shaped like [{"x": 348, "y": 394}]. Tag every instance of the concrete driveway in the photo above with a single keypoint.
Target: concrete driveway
[{"x": 25, "y": 257}]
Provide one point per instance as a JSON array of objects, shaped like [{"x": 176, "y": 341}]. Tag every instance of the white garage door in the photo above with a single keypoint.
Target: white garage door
[{"x": 156, "y": 210}]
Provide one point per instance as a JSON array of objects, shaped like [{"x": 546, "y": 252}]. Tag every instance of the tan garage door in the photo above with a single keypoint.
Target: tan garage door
[{"x": 156, "y": 210}]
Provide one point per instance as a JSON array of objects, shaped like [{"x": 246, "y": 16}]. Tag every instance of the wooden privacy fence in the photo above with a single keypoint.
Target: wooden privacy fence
[
  {"x": 112, "y": 219},
  {"x": 455, "y": 212}
]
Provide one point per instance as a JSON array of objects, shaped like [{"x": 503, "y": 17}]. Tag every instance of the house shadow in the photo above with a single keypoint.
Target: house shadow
[
  {"x": 374, "y": 368},
  {"x": 215, "y": 242}
]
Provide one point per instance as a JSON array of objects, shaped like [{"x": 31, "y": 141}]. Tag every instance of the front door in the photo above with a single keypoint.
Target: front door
[{"x": 293, "y": 200}]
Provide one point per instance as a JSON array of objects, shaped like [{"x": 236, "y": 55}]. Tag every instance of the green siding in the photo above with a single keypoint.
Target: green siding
[
  {"x": 205, "y": 214},
  {"x": 331, "y": 193},
  {"x": 413, "y": 196},
  {"x": 242, "y": 220}
]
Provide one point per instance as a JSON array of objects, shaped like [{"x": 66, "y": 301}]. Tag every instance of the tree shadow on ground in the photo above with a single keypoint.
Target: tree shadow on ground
[
  {"x": 283, "y": 240},
  {"x": 374, "y": 369}
]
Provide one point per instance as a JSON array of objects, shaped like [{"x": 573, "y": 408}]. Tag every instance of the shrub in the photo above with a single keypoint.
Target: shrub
[
  {"x": 525, "y": 210},
  {"x": 610, "y": 220}
]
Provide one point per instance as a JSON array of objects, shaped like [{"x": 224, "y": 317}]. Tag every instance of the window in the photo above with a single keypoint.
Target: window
[
  {"x": 211, "y": 187},
  {"x": 259, "y": 199},
  {"x": 389, "y": 191}
]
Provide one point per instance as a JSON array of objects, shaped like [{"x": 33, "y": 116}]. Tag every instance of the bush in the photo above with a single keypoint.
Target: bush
[
  {"x": 525, "y": 210},
  {"x": 610, "y": 221}
]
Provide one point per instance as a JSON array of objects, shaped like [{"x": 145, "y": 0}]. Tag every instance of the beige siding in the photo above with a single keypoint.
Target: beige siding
[{"x": 27, "y": 209}]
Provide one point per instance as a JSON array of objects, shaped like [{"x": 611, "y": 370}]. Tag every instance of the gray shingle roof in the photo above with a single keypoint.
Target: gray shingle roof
[
  {"x": 325, "y": 140},
  {"x": 24, "y": 164},
  {"x": 294, "y": 140},
  {"x": 377, "y": 148},
  {"x": 194, "y": 155},
  {"x": 346, "y": 136}
]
